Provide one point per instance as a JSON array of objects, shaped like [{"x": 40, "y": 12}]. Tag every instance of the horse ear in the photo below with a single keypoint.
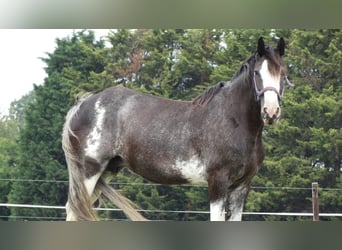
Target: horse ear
[
  {"x": 261, "y": 47},
  {"x": 281, "y": 47}
]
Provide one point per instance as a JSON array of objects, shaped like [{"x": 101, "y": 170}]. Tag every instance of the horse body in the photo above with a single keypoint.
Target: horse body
[{"x": 215, "y": 139}]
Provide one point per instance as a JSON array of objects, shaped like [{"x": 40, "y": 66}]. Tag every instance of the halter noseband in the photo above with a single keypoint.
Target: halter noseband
[{"x": 259, "y": 93}]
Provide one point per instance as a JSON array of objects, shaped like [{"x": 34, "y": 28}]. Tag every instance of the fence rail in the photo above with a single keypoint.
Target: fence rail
[
  {"x": 184, "y": 185},
  {"x": 171, "y": 211},
  {"x": 315, "y": 204}
]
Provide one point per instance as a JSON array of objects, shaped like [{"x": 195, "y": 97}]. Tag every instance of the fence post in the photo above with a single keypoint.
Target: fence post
[{"x": 315, "y": 205}]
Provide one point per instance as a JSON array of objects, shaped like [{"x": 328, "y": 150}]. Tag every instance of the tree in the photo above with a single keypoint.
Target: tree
[
  {"x": 8, "y": 159},
  {"x": 306, "y": 146},
  {"x": 69, "y": 69}
]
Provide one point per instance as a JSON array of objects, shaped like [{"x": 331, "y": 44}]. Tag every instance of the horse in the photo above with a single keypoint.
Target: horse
[{"x": 215, "y": 139}]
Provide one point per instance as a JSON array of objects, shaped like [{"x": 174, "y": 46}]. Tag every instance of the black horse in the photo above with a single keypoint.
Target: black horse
[{"x": 215, "y": 139}]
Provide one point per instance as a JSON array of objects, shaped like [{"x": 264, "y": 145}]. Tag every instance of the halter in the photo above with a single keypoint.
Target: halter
[{"x": 259, "y": 93}]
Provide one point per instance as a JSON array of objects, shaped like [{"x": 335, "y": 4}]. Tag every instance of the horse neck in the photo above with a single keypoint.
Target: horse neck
[{"x": 241, "y": 97}]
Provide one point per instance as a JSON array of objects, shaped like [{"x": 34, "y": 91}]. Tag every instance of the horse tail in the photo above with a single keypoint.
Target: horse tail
[
  {"x": 123, "y": 203},
  {"x": 79, "y": 205}
]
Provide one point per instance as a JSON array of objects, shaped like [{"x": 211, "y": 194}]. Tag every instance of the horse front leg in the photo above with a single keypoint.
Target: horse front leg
[
  {"x": 217, "y": 210},
  {"x": 217, "y": 187},
  {"x": 226, "y": 203},
  {"x": 235, "y": 202}
]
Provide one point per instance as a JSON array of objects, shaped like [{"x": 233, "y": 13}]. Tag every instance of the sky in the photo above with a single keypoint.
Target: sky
[{"x": 20, "y": 66}]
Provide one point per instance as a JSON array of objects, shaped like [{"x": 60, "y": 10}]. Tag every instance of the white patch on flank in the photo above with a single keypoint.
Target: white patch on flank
[
  {"x": 192, "y": 169},
  {"x": 269, "y": 80},
  {"x": 217, "y": 211},
  {"x": 93, "y": 139}
]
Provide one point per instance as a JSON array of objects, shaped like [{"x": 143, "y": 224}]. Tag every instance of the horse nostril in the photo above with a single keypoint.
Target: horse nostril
[{"x": 265, "y": 110}]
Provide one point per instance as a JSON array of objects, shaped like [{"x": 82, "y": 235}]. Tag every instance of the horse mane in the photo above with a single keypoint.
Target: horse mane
[
  {"x": 246, "y": 67},
  {"x": 208, "y": 95}
]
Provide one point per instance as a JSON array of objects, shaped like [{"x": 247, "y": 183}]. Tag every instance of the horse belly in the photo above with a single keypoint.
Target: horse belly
[{"x": 172, "y": 172}]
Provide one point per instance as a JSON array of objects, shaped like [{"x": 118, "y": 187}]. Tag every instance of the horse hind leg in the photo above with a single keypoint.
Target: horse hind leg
[{"x": 123, "y": 203}]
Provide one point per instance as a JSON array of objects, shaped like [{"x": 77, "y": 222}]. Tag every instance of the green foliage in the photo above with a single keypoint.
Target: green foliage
[
  {"x": 41, "y": 157},
  {"x": 8, "y": 159},
  {"x": 306, "y": 146}
]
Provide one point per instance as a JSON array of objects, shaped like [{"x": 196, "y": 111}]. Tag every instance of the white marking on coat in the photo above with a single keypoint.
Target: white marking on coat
[
  {"x": 236, "y": 203},
  {"x": 93, "y": 139},
  {"x": 235, "y": 210},
  {"x": 90, "y": 183},
  {"x": 236, "y": 216},
  {"x": 217, "y": 210},
  {"x": 270, "y": 97},
  {"x": 192, "y": 169}
]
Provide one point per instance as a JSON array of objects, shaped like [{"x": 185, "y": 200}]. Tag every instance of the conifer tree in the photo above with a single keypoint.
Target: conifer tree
[
  {"x": 305, "y": 146},
  {"x": 41, "y": 158}
]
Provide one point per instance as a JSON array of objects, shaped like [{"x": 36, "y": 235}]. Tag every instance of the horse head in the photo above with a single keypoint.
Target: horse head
[{"x": 268, "y": 78}]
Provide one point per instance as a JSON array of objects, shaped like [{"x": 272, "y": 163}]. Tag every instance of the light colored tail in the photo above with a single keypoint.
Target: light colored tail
[
  {"x": 127, "y": 206},
  {"x": 79, "y": 205}
]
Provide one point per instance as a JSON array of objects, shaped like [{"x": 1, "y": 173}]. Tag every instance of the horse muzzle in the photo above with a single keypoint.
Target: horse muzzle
[{"x": 270, "y": 116}]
